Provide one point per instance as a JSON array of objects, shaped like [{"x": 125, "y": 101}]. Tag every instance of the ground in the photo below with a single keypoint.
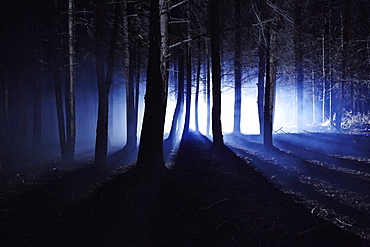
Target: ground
[{"x": 301, "y": 194}]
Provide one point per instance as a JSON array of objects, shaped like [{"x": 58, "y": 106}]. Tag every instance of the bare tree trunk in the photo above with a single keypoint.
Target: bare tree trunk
[
  {"x": 104, "y": 81},
  {"x": 214, "y": 13},
  {"x": 208, "y": 82},
  {"x": 270, "y": 88},
  {"x": 237, "y": 70},
  {"x": 175, "y": 126},
  {"x": 37, "y": 104},
  {"x": 137, "y": 91},
  {"x": 58, "y": 90},
  {"x": 261, "y": 82},
  {"x": 60, "y": 113},
  {"x": 150, "y": 160},
  {"x": 129, "y": 79},
  {"x": 197, "y": 88},
  {"x": 262, "y": 42},
  {"x": 298, "y": 51},
  {"x": 345, "y": 25},
  {"x": 70, "y": 101},
  {"x": 188, "y": 75}
]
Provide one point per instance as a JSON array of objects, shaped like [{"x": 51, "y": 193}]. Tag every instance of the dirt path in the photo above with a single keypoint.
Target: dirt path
[{"x": 329, "y": 172}]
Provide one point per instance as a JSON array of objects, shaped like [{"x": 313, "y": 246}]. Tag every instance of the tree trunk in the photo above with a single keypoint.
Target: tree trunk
[
  {"x": 60, "y": 113},
  {"x": 58, "y": 90},
  {"x": 137, "y": 90},
  {"x": 197, "y": 88},
  {"x": 188, "y": 75},
  {"x": 214, "y": 13},
  {"x": 150, "y": 160},
  {"x": 345, "y": 25},
  {"x": 37, "y": 115},
  {"x": 237, "y": 70},
  {"x": 70, "y": 101},
  {"x": 129, "y": 68},
  {"x": 130, "y": 108},
  {"x": 208, "y": 82},
  {"x": 262, "y": 47},
  {"x": 175, "y": 126},
  {"x": 298, "y": 52},
  {"x": 104, "y": 82},
  {"x": 261, "y": 81},
  {"x": 270, "y": 88}
]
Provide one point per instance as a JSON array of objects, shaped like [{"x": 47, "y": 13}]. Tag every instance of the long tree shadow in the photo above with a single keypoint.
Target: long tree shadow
[
  {"x": 305, "y": 164},
  {"x": 331, "y": 143},
  {"x": 332, "y": 188},
  {"x": 303, "y": 151},
  {"x": 233, "y": 172}
]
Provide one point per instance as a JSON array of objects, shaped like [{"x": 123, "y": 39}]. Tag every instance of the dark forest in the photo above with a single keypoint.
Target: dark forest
[{"x": 185, "y": 123}]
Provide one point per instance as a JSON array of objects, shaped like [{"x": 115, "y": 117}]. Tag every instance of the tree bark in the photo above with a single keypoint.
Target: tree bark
[
  {"x": 237, "y": 70},
  {"x": 70, "y": 95},
  {"x": 197, "y": 87},
  {"x": 208, "y": 82},
  {"x": 176, "y": 120},
  {"x": 60, "y": 113},
  {"x": 270, "y": 88},
  {"x": 188, "y": 74},
  {"x": 129, "y": 68},
  {"x": 261, "y": 81},
  {"x": 150, "y": 160},
  {"x": 104, "y": 81},
  {"x": 345, "y": 25},
  {"x": 214, "y": 13},
  {"x": 37, "y": 106},
  {"x": 298, "y": 52}
]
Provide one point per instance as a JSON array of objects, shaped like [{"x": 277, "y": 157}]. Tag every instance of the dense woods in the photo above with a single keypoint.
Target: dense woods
[
  {"x": 192, "y": 95},
  {"x": 75, "y": 71}
]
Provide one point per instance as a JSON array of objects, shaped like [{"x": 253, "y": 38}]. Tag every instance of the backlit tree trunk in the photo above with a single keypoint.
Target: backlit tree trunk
[
  {"x": 270, "y": 87},
  {"x": 214, "y": 13},
  {"x": 70, "y": 91},
  {"x": 261, "y": 82},
  {"x": 197, "y": 88},
  {"x": 298, "y": 52},
  {"x": 237, "y": 70},
  {"x": 129, "y": 67},
  {"x": 188, "y": 74},
  {"x": 176, "y": 121},
  {"x": 104, "y": 81},
  {"x": 150, "y": 158},
  {"x": 208, "y": 90}
]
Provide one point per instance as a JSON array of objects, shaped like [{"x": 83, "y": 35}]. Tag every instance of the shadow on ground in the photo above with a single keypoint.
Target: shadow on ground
[{"x": 211, "y": 197}]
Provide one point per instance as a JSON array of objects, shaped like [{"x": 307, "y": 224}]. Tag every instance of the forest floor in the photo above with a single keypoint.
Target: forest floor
[{"x": 303, "y": 193}]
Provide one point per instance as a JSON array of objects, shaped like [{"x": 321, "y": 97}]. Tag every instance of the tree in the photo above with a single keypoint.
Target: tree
[
  {"x": 262, "y": 41},
  {"x": 237, "y": 69},
  {"x": 270, "y": 86},
  {"x": 197, "y": 87},
  {"x": 129, "y": 69},
  {"x": 345, "y": 25},
  {"x": 58, "y": 90},
  {"x": 104, "y": 79},
  {"x": 214, "y": 15},
  {"x": 176, "y": 120},
  {"x": 298, "y": 50},
  {"x": 188, "y": 73},
  {"x": 70, "y": 92},
  {"x": 150, "y": 160},
  {"x": 38, "y": 88},
  {"x": 208, "y": 90}
]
